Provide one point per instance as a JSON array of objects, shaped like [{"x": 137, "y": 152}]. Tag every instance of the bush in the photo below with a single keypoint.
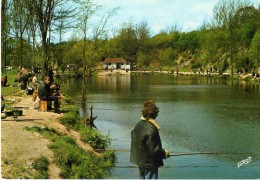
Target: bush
[
  {"x": 71, "y": 120},
  {"x": 90, "y": 136},
  {"x": 94, "y": 138}
]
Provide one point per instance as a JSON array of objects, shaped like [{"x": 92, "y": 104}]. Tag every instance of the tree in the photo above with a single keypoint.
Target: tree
[
  {"x": 46, "y": 13},
  {"x": 143, "y": 60},
  {"x": 32, "y": 33},
  {"x": 248, "y": 22},
  {"x": 161, "y": 40},
  {"x": 73, "y": 53},
  {"x": 213, "y": 45},
  {"x": 4, "y": 31},
  {"x": 225, "y": 15},
  {"x": 99, "y": 33},
  {"x": 127, "y": 43},
  {"x": 255, "y": 50},
  {"x": 143, "y": 35},
  {"x": 86, "y": 10},
  {"x": 27, "y": 53},
  {"x": 20, "y": 19},
  {"x": 189, "y": 41},
  {"x": 64, "y": 20}
]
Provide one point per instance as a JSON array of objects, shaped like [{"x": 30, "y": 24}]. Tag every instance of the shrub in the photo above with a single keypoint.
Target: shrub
[
  {"x": 71, "y": 120},
  {"x": 94, "y": 138}
]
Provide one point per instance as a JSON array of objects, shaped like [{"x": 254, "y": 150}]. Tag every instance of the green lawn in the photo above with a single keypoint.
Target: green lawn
[{"x": 11, "y": 75}]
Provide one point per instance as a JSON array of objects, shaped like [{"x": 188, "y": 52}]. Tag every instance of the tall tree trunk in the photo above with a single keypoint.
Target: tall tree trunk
[
  {"x": 232, "y": 49},
  {"x": 45, "y": 54},
  {"x": 3, "y": 34},
  {"x": 84, "y": 56},
  {"x": 21, "y": 49},
  {"x": 3, "y": 53}
]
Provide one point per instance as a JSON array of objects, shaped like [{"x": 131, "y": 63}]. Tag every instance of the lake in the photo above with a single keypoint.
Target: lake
[{"x": 197, "y": 114}]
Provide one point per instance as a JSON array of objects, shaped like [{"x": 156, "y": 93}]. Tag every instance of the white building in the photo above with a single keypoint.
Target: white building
[{"x": 116, "y": 63}]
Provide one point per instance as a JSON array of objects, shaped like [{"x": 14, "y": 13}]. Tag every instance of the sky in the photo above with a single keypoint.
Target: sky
[
  {"x": 160, "y": 15},
  {"x": 187, "y": 15}
]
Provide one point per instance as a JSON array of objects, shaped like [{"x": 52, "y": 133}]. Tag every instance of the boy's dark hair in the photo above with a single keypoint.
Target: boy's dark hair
[{"x": 150, "y": 110}]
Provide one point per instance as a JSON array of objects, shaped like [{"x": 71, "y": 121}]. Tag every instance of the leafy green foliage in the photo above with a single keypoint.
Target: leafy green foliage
[
  {"x": 94, "y": 138},
  {"x": 255, "y": 50},
  {"x": 90, "y": 136},
  {"x": 127, "y": 42},
  {"x": 189, "y": 41},
  {"x": 71, "y": 120}
]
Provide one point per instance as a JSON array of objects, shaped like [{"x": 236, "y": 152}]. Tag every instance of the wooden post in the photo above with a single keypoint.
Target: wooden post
[
  {"x": 89, "y": 121},
  {"x": 91, "y": 113}
]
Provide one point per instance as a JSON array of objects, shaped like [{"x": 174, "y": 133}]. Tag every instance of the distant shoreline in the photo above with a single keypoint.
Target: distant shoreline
[{"x": 246, "y": 77}]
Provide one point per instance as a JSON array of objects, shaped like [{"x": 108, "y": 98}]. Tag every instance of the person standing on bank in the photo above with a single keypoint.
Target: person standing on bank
[
  {"x": 45, "y": 94},
  {"x": 146, "y": 146},
  {"x": 23, "y": 77}
]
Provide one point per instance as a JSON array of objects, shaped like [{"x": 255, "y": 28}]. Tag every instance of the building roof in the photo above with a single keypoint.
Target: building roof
[{"x": 114, "y": 60}]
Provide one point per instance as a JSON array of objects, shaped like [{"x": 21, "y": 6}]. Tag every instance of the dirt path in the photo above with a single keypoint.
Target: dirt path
[{"x": 20, "y": 147}]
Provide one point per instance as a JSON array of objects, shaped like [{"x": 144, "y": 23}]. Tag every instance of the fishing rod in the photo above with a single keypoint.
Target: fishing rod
[
  {"x": 17, "y": 119},
  {"x": 177, "y": 153},
  {"x": 25, "y": 107},
  {"x": 73, "y": 103},
  {"x": 210, "y": 153},
  {"x": 66, "y": 109},
  {"x": 185, "y": 166}
]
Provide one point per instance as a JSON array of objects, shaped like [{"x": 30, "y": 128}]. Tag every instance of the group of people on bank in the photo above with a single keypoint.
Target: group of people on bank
[
  {"x": 254, "y": 73},
  {"x": 48, "y": 90},
  {"x": 25, "y": 76}
]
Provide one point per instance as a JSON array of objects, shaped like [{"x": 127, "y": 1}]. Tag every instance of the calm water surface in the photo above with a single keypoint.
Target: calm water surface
[{"x": 197, "y": 114}]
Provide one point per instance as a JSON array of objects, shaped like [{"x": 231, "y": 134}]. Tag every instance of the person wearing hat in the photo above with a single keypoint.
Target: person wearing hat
[{"x": 146, "y": 146}]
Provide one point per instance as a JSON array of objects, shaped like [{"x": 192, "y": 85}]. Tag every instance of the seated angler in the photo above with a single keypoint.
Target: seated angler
[{"x": 45, "y": 94}]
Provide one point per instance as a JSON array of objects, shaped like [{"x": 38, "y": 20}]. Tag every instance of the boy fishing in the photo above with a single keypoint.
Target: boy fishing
[{"x": 146, "y": 146}]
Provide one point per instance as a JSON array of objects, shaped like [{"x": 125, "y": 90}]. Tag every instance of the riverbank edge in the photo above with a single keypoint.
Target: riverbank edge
[
  {"x": 242, "y": 77},
  {"x": 50, "y": 123}
]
